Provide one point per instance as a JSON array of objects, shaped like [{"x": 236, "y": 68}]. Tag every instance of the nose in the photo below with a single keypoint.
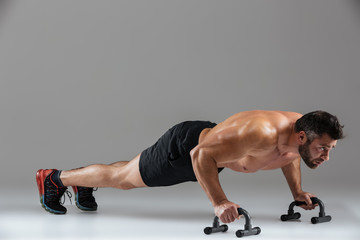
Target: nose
[{"x": 325, "y": 156}]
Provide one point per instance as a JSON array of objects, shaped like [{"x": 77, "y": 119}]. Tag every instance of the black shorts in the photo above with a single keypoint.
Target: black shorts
[{"x": 168, "y": 161}]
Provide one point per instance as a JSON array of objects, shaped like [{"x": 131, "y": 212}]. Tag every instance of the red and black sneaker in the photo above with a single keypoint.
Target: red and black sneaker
[
  {"x": 84, "y": 198},
  {"x": 50, "y": 193}
]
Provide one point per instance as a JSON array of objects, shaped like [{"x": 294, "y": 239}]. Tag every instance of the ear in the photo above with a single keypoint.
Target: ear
[{"x": 302, "y": 137}]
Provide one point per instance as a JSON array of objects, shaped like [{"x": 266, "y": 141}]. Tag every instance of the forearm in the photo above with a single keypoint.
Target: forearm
[
  {"x": 206, "y": 173},
  {"x": 292, "y": 174}
]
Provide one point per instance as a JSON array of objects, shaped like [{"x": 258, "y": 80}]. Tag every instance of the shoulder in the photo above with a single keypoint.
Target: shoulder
[
  {"x": 264, "y": 127},
  {"x": 255, "y": 129},
  {"x": 280, "y": 118},
  {"x": 262, "y": 130},
  {"x": 289, "y": 116},
  {"x": 258, "y": 116},
  {"x": 257, "y": 126}
]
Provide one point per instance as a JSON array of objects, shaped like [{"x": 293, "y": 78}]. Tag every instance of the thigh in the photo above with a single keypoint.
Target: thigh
[{"x": 133, "y": 173}]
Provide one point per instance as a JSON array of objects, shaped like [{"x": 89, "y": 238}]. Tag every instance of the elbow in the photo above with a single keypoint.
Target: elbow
[
  {"x": 197, "y": 154},
  {"x": 194, "y": 154},
  {"x": 200, "y": 156}
]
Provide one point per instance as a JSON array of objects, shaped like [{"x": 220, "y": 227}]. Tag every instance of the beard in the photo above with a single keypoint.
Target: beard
[{"x": 305, "y": 154}]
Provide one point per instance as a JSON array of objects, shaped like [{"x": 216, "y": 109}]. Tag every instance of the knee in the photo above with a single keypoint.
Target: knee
[
  {"x": 120, "y": 180},
  {"x": 124, "y": 185},
  {"x": 127, "y": 177}
]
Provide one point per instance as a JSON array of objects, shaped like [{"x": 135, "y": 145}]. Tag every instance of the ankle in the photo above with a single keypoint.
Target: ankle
[
  {"x": 55, "y": 177},
  {"x": 64, "y": 178}
]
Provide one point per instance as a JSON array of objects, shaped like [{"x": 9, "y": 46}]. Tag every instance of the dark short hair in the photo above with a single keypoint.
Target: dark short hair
[{"x": 317, "y": 123}]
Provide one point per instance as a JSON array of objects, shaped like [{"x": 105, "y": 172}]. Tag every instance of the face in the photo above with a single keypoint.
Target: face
[{"x": 317, "y": 152}]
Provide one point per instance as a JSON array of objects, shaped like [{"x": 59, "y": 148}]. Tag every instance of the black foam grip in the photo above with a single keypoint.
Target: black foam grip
[{"x": 314, "y": 200}]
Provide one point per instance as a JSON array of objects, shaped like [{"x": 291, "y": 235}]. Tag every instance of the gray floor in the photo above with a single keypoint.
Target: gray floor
[{"x": 178, "y": 212}]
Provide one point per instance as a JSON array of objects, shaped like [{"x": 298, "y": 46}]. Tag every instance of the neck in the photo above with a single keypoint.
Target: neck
[{"x": 292, "y": 140}]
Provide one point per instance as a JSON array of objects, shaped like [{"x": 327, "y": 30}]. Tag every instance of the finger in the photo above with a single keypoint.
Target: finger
[
  {"x": 308, "y": 200},
  {"x": 236, "y": 210},
  {"x": 235, "y": 213},
  {"x": 304, "y": 207},
  {"x": 228, "y": 219}
]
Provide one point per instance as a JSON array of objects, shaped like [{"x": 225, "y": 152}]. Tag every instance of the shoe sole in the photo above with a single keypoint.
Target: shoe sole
[
  {"x": 82, "y": 207},
  {"x": 79, "y": 205},
  {"x": 40, "y": 179}
]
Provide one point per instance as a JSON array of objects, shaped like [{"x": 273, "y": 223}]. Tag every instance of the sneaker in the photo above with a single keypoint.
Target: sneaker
[
  {"x": 50, "y": 193},
  {"x": 84, "y": 199}
]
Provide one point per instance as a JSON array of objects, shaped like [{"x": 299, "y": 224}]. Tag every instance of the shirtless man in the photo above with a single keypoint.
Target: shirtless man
[{"x": 198, "y": 151}]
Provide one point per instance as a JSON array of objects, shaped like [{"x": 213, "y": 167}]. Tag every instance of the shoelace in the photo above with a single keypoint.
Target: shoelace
[
  {"x": 53, "y": 193},
  {"x": 68, "y": 193}
]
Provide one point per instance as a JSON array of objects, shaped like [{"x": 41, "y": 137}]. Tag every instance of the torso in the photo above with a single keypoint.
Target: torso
[{"x": 245, "y": 157}]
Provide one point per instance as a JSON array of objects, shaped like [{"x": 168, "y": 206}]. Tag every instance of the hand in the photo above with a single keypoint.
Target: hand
[
  {"x": 305, "y": 197},
  {"x": 227, "y": 212}
]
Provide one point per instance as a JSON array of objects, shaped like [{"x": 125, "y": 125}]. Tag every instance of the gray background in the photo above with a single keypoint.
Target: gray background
[{"x": 85, "y": 82}]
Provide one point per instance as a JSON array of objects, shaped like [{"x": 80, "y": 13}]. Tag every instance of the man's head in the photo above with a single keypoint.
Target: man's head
[{"x": 317, "y": 133}]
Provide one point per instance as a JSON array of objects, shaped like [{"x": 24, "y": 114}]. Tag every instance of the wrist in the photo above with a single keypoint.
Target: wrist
[
  {"x": 220, "y": 202},
  {"x": 297, "y": 193}
]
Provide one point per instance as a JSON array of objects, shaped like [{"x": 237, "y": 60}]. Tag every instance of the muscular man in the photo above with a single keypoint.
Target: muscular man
[{"x": 198, "y": 150}]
